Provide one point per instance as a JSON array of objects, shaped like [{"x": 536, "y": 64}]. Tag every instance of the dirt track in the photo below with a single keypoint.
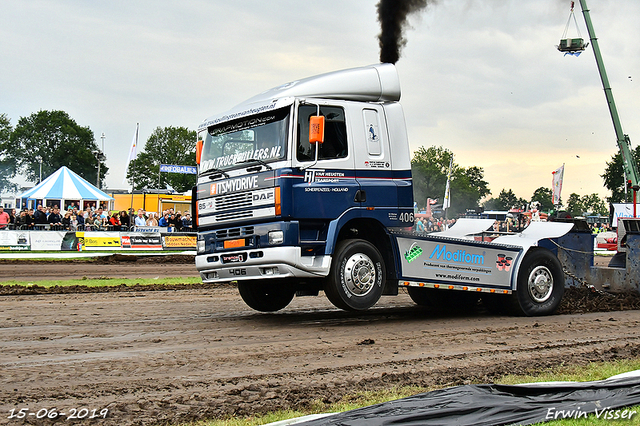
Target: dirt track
[
  {"x": 115, "y": 266},
  {"x": 150, "y": 356}
]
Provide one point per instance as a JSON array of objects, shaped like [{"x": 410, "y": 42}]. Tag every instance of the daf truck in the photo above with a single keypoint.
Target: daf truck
[{"x": 307, "y": 188}]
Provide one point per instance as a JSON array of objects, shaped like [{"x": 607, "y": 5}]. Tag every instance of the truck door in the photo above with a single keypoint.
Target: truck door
[
  {"x": 374, "y": 166},
  {"x": 328, "y": 187}
]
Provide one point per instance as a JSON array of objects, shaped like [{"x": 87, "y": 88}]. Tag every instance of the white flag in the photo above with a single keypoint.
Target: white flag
[
  {"x": 447, "y": 192},
  {"x": 557, "y": 184},
  {"x": 132, "y": 153}
]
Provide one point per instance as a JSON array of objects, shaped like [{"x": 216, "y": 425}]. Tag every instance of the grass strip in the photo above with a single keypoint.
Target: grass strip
[
  {"x": 590, "y": 372},
  {"x": 104, "y": 282}
]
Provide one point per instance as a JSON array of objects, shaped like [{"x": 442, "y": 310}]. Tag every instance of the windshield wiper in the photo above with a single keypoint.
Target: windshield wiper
[
  {"x": 214, "y": 173},
  {"x": 253, "y": 160}
]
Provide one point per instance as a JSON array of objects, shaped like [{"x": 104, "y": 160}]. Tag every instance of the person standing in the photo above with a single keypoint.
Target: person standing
[
  {"x": 164, "y": 220},
  {"x": 40, "y": 216},
  {"x": 186, "y": 221},
  {"x": 31, "y": 220},
  {"x": 12, "y": 218},
  {"x": 152, "y": 221},
  {"x": 114, "y": 222},
  {"x": 4, "y": 218},
  {"x": 20, "y": 221},
  {"x": 54, "y": 219},
  {"x": 140, "y": 220}
]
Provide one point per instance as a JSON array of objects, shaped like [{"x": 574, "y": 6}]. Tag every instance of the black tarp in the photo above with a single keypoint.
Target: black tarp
[{"x": 500, "y": 404}]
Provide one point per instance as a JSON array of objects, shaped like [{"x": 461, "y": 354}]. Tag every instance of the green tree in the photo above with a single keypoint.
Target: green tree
[
  {"x": 585, "y": 205},
  {"x": 56, "y": 140},
  {"x": 574, "y": 205},
  {"x": 168, "y": 145},
  {"x": 506, "y": 200},
  {"x": 430, "y": 168},
  {"x": 7, "y": 165},
  {"x": 593, "y": 204},
  {"x": 544, "y": 196},
  {"x": 614, "y": 177},
  {"x": 475, "y": 176},
  {"x": 491, "y": 204}
]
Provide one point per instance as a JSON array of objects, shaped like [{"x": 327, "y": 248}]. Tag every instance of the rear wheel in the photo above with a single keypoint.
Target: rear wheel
[
  {"x": 266, "y": 296},
  {"x": 540, "y": 284},
  {"x": 356, "y": 278}
]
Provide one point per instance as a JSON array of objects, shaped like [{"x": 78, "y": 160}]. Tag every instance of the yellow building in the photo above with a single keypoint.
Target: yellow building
[{"x": 152, "y": 202}]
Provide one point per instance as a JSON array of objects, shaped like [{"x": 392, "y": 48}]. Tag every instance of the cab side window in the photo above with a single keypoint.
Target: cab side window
[{"x": 335, "y": 134}]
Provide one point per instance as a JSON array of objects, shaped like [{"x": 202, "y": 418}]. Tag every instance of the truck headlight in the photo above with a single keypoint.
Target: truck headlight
[
  {"x": 276, "y": 237},
  {"x": 201, "y": 246}
]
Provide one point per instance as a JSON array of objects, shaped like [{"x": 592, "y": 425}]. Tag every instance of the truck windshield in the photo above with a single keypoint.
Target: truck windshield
[{"x": 260, "y": 137}]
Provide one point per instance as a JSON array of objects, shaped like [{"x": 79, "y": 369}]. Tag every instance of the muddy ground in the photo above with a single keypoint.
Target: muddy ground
[
  {"x": 191, "y": 353},
  {"x": 114, "y": 266}
]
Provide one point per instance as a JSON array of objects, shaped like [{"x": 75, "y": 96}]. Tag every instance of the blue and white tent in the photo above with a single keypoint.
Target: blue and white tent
[{"x": 64, "y": 186}]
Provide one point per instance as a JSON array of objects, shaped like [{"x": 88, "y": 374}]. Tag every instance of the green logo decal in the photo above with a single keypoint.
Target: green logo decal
[{"x": 413, "y": 253}]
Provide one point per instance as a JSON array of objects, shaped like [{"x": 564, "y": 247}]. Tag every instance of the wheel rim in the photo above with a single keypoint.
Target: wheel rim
[
  {"x": 540, "y": 284},
  {"x": 359, "y": 274}
]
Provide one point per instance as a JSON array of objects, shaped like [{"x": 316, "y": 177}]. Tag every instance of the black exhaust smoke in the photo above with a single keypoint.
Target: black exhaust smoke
[{"x": 392, "y": 15}]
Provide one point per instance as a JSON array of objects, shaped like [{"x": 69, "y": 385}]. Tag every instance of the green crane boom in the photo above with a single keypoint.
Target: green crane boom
[{"x": 630, "y": 166}]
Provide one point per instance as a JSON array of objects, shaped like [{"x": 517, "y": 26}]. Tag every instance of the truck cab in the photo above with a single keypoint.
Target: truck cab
[
  {"x": 307, "y": 187},
  {"x": 282, "y": 214}
]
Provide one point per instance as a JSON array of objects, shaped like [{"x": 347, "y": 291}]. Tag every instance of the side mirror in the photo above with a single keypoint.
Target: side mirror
[
  {"x": 199, "y": 151},
  {"x": 316, "y": 129}
]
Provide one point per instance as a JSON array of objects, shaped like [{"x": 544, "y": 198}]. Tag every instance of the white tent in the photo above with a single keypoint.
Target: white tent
[{"x": 63, "y": 188}]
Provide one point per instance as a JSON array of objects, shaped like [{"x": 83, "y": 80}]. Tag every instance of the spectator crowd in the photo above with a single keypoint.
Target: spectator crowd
[
  {"x": 432, "y": 224},
  {"x": 92, "y": 219}
]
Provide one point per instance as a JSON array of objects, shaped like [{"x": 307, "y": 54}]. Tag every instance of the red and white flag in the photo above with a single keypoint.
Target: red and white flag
[{"x": 557, "y": 184}]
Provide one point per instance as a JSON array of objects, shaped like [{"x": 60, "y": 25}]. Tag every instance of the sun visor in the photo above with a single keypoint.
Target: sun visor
[{"x": 245, "y": 110}]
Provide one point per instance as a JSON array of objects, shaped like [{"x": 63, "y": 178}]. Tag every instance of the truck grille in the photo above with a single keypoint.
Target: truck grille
[
  {"x": 234, "y": 215},
  {"x": 259, "y": 203},
  {"x": 234, "y": 232},
  {"x": 233, "y": 201}
]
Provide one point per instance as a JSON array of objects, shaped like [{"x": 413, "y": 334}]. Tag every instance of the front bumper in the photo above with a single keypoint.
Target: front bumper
[{"x": 271, "y": 262}]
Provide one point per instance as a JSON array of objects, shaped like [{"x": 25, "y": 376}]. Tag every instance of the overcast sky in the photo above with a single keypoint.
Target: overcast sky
[{"x": 480, "y": 77}]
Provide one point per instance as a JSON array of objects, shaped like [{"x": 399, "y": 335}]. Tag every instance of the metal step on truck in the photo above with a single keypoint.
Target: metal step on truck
[{"x": 307, "y": 187}]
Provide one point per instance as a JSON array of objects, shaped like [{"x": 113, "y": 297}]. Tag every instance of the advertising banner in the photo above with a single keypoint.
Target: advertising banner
[
  {"x": 101, "y": 240},
  {"x": 141, "y": 241},
  {"x": 46, "y": 240},
  {"x": 151, "y": 229},
  {"x": 179, "y": 241},
  {"x": 93, "y": 240},
  {"x": 171, "y": 168},
  {"x": 623, "y": 210},
  {"x": 14, "y": 240},
  {"x": 72, "y": 241},
  {"x": 456, "y": 262}
]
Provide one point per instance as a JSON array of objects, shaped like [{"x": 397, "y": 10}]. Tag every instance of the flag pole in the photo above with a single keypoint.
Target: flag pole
[{"x": 132, "y": 156}]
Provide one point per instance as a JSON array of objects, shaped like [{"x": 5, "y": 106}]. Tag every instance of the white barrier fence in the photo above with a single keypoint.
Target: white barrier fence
[{"x": 95, "y": 240}]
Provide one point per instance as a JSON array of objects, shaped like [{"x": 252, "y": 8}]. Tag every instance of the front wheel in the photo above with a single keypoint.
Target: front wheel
[
  {"x": 540, "y": 284},
  {"x": 266, "y": 296},
  {"x": 357, "y": 276}
]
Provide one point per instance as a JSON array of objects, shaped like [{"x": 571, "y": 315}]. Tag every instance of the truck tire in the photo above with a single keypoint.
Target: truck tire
[
  {"x": 357, "y": 276},
  {"x": 540, "y": 284},
  {"x": 266, "y": 296}
]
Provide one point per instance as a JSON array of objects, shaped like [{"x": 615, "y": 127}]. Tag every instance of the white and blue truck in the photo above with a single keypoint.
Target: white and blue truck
[{"x": 307, "y": 187}]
